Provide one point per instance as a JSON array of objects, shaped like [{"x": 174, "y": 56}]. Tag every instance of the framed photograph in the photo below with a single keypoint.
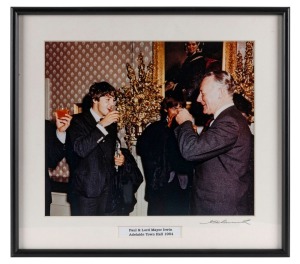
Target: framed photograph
[{"x": 225, "y": 205}]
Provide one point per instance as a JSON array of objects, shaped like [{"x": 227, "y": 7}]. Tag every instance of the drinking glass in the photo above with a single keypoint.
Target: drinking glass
[{"x": 62, "y": 111}]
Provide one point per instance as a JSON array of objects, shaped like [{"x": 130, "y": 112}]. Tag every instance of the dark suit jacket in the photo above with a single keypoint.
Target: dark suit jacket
[
  {"x": 54, "y": 153},
  {"x": 222, "y": 154},
  {"x": 90, "y": 155},
  {"x": 192, "y": 71},
  {"x": 160, "y": 155}
]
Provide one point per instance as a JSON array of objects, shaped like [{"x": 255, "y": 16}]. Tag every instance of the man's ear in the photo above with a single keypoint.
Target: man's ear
[
  {"x": 95, "y": 101},
  {"x": 223, "y": 91}
]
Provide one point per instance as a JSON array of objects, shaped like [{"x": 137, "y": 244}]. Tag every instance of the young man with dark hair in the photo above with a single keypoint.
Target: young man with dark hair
[
  {"x": 167, "y": 174},
  {"x": 93, "y": 140}
]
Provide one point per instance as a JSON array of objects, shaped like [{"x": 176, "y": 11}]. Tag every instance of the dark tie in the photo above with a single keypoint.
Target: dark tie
[{"x": 206, "y": 126}]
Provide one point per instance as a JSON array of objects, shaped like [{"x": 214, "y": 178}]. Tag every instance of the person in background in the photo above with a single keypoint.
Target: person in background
[
  {"x": 95, "y": 156},
  {"x": 221, "y": 154},
  {"x": 191, "y": 73},
  {"x": 245, "y": 107},
  {"x": 55, "y": 137},
  {"x": 173, "y": 88},
  {"x": 168, "y": 175},
  {"x": 192, "y": 69}
]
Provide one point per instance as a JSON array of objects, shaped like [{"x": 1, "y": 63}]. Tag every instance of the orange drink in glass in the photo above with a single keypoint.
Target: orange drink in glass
[{"x": 61, "y": 112}]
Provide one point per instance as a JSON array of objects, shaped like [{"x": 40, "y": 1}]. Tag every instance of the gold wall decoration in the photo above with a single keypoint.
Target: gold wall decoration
[
  {"x": 244, "y": 75},
  {"x": 159, "y": 63},
  {"x": 230, "y": 56},
  {"x": 138, "y": 103}
]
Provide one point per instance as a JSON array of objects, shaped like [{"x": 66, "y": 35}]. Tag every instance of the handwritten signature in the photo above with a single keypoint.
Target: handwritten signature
[{"x": 225, "y": 221}]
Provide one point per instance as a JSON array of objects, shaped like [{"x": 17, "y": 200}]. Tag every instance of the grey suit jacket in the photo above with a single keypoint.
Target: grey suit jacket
[{"x": 222, "y": 155}]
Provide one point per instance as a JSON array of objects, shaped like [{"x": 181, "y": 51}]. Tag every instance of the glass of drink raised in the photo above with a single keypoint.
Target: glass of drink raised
[{"x": 62, "y": 111}]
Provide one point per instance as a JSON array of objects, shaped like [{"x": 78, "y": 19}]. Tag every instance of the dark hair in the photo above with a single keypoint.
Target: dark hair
[
  {"x": 87, "y": 103},
  {"x": 169, "y": 102},
  {"x": 224, "y": 78},
  {"x": 99, "y": 89},
  {"x": 242, "y": 104}
]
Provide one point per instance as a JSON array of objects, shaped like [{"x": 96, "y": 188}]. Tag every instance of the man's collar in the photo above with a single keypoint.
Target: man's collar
[
  {"x": 95, "y": 115},
  {"x": 220, "y": 110}
]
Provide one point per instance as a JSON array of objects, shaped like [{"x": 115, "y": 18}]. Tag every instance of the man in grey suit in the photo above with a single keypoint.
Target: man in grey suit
[{"x": 221, "y": 154}]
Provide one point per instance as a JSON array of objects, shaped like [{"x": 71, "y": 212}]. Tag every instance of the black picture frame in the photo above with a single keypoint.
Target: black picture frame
[{"x": 283, "y": 12}]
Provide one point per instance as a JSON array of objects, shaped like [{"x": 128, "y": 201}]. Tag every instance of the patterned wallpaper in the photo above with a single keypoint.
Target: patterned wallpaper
[{"x": 71, "y": 67}]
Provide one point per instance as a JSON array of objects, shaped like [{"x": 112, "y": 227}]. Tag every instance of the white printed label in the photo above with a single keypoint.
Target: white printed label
[{"x": 146, "y": 231}]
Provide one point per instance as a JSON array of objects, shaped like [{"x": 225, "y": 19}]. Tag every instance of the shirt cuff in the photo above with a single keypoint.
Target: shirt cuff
[
  {"x": 61, "y": 136},
  {"x": 102, "y": 129}
]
